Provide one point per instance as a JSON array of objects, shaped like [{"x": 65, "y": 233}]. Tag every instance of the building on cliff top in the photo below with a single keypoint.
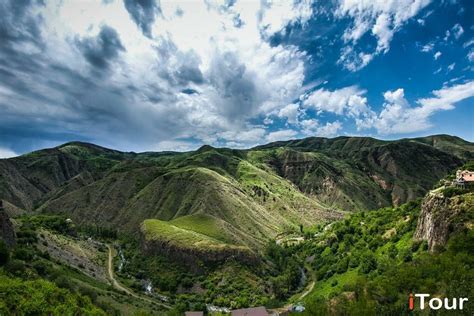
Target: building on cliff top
[{"x": 464, "y": 177}]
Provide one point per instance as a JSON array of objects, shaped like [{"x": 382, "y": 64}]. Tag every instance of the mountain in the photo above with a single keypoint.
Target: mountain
[
  {"x": 296, "y": 221},
  {"x": 369, "y": 262},
  {"x": 245, "y": 195}
]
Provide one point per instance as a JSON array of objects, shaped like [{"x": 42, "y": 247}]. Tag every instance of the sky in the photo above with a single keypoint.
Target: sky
[{"x": 149, "y": 75}]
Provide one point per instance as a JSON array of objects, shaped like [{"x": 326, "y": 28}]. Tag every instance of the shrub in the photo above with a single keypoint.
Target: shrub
[
  {"x": 23, "y": 254},
  {"x": 15, "y": 267},
  {"x": 41, "y": 268}
]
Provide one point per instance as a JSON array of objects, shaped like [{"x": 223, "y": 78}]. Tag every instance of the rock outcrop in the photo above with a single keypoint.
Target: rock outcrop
[
  {"x": 441, "y": 216},
  {"x": 7, "y": 231},
  {"x": 194, "y": 258}
]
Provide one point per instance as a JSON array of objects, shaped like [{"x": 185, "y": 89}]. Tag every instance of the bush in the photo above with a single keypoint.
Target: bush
[
  {"x": 86, "y": 291},
  {"x": 15, "y": 267},
  {"x": 23, "y": 254},
  {"x": 41, "y": 268},
  {"x": 368, "y": 263},
  {"x": 63, "y": 282},
  {"x": 452, "y": 191},
  {"x": 187, "y": 282}
]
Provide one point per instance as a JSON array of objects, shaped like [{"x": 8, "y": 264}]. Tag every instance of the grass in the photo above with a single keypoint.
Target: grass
[
  {"x": 325, "y": 288},
  {"x": 154, "y": 229},
  {"x": 203, "y": 224}
]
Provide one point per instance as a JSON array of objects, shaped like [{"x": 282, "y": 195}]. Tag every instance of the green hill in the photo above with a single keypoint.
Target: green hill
[
  {"x": 255, "y": 194},
  {"x": 190, "y": 231}
]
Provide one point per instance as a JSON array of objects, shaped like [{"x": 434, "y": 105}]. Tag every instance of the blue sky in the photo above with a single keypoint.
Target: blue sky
[{"x": 173, "y": 75}]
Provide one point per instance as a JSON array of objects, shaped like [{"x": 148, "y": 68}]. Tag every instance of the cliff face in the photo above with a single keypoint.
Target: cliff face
[
  {"x": 7, "y": 232},
  {"x": 25, "y": 180},
  {"x": 441, "y": 216},
  {"x": 351, "y": 177},
  {"x": 194, "y": 258}
]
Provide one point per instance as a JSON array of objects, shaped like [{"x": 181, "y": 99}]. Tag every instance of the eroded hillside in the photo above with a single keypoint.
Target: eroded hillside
[{"x": 255, "y": 194}]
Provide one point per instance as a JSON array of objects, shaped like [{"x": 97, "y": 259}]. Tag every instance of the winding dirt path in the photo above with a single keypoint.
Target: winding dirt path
[
  {"x": 120, "y": 287},
  {"x": 115, "y": 283},
  {"x": 308, "y": 289}
]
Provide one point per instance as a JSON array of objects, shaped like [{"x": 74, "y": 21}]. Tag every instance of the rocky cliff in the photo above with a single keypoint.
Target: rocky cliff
[
  {"x": 441, "y": 216},
  {"x": 195, "y": 258},
  {"x": 7, "y": 231}
]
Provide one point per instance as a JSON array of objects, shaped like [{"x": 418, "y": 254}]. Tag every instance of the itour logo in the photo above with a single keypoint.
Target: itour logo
[{"x": 435, "y": 302}]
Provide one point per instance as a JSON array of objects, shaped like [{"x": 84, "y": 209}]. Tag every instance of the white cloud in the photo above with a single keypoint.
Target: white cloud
[
  {"x": 437, "y": 55},
  {"x": 290, "y": 112},
  {"x": 347, "y": 100},
  {"x": 427, "y": 48},
  {"x": 276, "y": 15},
  {"x": 470, "y": 55},
  {"x": 267, "y": 120},
  {"x": 175, "y": 145},
  {"x": 331, "y": 129},
  {"x": 7, "y": 153},
  {"x": 451, "y": 67},
  {"x": 312, "y": 127},
  {"x": 398, "y": 117},
  {"x": 285, "y": 134},
  {"x": 446, "y": 98},
  {"x": 468, "y": 43},
  {"x": 382, "y": 17},
  {"x": 309, "y": 126},
  {"x": 457, "y": 30},
  {"x": 382, "y": 30},
  {"x": 252, "y": 136},
  {"x": 354, "y": 61}
]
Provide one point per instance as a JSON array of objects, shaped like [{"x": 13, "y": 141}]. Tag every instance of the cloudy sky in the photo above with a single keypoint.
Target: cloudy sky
[{"x": 141, "y": 75}]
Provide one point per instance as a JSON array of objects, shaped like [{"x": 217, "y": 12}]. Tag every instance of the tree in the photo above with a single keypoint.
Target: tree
[
  {"x": 392, "y": 251},
  {"x": 368, "y": 263}
]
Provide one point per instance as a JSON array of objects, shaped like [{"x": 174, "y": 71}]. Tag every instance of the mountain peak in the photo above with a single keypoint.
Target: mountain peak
[{"x": 205, "y": 148}]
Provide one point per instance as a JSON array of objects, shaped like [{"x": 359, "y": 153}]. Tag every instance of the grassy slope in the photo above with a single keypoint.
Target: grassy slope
[
  {"x": 183, "y": 238},
  {"x": 203, "y": 224}
]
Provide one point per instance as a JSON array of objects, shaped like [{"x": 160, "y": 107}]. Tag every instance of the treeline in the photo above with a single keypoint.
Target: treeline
[{"x": 98, "y": 231}]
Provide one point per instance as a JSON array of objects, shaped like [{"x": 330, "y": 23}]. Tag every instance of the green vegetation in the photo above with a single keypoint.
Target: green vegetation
[
  {"x": 369, "y": 262},
  {"x": 207, "y": 218},
  {"x": 41, "y": 297},
  {"x": 32, "y": 282},
  {"x": 203, "y": 224},
  {"x": 161, "y": 231}
]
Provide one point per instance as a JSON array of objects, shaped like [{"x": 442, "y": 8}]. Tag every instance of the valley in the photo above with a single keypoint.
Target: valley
[{"x": 312, "y": 223}]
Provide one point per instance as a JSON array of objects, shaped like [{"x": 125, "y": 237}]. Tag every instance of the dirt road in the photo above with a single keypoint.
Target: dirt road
[{"x": 120, "y": 287}]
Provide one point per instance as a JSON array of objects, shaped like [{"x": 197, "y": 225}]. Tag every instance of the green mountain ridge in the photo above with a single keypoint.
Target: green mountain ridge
[
  {"x": 237, "y": 228},
  {"x": 258, "y": 193}
]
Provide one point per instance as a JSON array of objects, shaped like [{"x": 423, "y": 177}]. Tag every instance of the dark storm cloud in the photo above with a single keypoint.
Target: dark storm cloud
[
  {"x": 236, "y": 85},
  {"x": 143, "y": 13},
  {"x": 185, "y": 71},
  {"x": 101, "y": 50},
  {"x": 17, "y": 23}
]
